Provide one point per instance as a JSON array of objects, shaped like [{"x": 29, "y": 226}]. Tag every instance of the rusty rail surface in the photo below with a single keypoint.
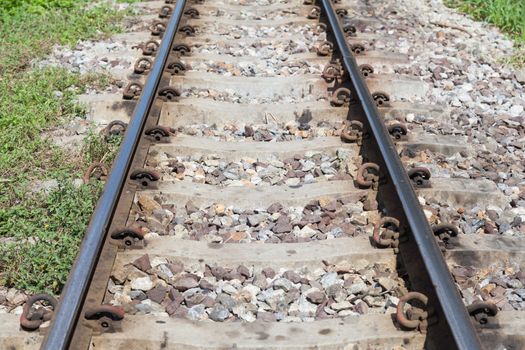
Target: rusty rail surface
[
  {"x": 448, "y": 296},
  {"x": 68, "y": 312}
]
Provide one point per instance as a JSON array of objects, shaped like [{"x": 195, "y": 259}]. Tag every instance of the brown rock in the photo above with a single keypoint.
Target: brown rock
[
  {"x": 520, "y": 75},
  {"x": 316, "y": 297},
  {"x": 520, "y": 275},
  {"x": 282, "y": 225},
  {"x": 178, "y": 168},
  {"x": 274, "y": 208},
  {"x": 268, "y": 272},
  {"x": 234, "y": 275},
  {"x": 237, "y": 236},
  {"x": 259, "y": 280},
  {"x": 361, "y": 307},
  {"x": 370, "y": 203},
  {"x": 324, "y": 201},
  {"x": 343, "y": 266},
  {"x": 490, "y": 228},
  {"x": 185, "y": 283},
  {"x": 157, "y": 294},
  {"x": 498, "y": 292},
  {"x": 178, "y": 312},
  {"x": 175, "y": 296},
  {"x": 147, "y": 203},
  {"x": 244, "y": 271},
  {"x": 218, "y": 272},
  {"x": 331, "y": 206},
  {"x": 205, "y": 284},
  {"x": 292, "y": 276},
  {"x": 488, "y": 288},
  {"x": 191, "y": 208},
  {"x": 194, "y": 299},
  {"x": 119, "y": 273},
  {"x": 266, "y": 316},
  {"x": 248, "y": 131},
  {"x": 172, "y": 307},
  {"x": 176, "y": 267},
  {"x": 142, "y": 263}
]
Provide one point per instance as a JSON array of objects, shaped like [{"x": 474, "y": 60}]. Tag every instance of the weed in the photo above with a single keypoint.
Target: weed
[
  {"x": 509, "y": 15},
  {"x": 19, "y": 45},
  {"x": 97, "y": 149},
  {"x": 41, "y": 232},
  {"x": 44, "y": 233}
]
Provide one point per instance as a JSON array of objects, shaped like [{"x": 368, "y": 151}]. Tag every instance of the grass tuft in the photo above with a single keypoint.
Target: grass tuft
[
  {"x": 509, "y": 15},
  {"x": 44, "y": 233},
  {"x": 40, "y": 231}
]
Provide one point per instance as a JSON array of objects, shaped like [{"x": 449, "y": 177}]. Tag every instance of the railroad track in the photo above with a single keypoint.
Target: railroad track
[{"x": 270, "y": 192}]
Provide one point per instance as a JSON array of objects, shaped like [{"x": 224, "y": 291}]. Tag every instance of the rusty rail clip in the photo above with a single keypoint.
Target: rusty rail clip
[
  {"x": 358, "y": 48},
  {"x": 145, "y": 177},
  {"x": 320, "y": 28},
  {"x": 31, "y": 319},
  {"x": 314, "y": 13},
  {"x": 128, "y": 237},
  {"x": 332, "y": 71},
  {"x": 104, "y": 318},
  {"x": 381, "y": 98},
  {"x": 114, "y": 128},
  {"x": 176, "y": 67},
  {"x": 159, "y": 133},
  {"x": 97, "y": 170},
  {"x": 341, "y": 97},
  {"x": 350, "y": 30},
  {"x": 415, "y": 317},
  {"x": 389, "y": 238},
  {"x": 353, "y": 132},
  {"x": 148, "y": 48},
  {"x": 368, "y": 176},
  {"x": 158, "y": 28},
  {"x": 169, "y": 94},
  {"x": 444, "y": 233},
  {"x": 142, "y": 65},
  {"x": 398, "y": 131},
  {"x": 366, "y": 70},
  {"x": 482, "y": 311},
  {"x": 182, "y": 49},
  {"x": 192, "y": 12},
  {"x": 165, "y": 11},
  {"x": 188, "y": 30},
  {"x": 342, "y": 13},
  {"x": 325, "y": 48},
  {"x": 132, "y": 91},
  {"x": 420, "y": 177}
]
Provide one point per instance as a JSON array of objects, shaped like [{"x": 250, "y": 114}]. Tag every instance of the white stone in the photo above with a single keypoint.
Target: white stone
[
  {"x": 156, "y": 261},
  {"x": 516, "y": 110},
  {"x": 330, "y": 279},
  {"x": 293, "y": 182},
  {"x": 142, "y": 283},
  {"x": 306, "y": 232},
  {"x": 344, "y": 305},
  {"x": 253, "y": 290}
]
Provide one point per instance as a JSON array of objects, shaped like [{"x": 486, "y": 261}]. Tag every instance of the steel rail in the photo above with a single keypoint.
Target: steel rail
[
  {"x": 68, "y": 312},
  {"x": 456, "y": 314}
]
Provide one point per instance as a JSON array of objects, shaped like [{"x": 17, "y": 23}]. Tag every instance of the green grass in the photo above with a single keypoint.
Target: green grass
[
  {"x": 509, "y": 15},
  {"x": 27, "y": 34},
  {"x": 41, "y": 233},
  {"x": 46, "y": 230}
]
